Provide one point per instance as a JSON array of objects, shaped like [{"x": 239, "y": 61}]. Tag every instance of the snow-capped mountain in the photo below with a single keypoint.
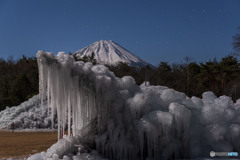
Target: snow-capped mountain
[{"x": 111, "y": 53}]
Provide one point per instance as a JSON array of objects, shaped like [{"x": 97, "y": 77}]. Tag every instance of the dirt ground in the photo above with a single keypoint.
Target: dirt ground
[{"x": 22, "y": 144}]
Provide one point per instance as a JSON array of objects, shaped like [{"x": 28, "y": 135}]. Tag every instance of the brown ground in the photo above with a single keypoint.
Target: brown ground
[{"x": 21, "y": 144}]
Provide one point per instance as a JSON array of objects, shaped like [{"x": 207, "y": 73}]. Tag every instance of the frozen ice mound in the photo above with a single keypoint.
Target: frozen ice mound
[
  {"x": 28, "y": 115},
  {"x": 127, "y": 121}
]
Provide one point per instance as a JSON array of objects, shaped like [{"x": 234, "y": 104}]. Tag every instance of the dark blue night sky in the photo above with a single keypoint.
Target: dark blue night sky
[{"x": 155, "y": 30}]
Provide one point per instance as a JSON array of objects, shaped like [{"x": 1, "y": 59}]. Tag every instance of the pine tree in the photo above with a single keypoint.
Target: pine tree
[{"x": 236, "y": 42}]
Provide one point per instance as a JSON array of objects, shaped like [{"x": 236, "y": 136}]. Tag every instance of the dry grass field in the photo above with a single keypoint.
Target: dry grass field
[{"x": 22, "y": 144}]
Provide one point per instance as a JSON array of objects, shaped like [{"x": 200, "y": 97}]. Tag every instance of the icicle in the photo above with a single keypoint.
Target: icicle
[
  {"x": 69, "y": 110},
  {"x": 48, "y": 90}
]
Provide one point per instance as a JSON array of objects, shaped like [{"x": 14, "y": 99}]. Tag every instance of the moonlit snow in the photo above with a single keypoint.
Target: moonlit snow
[
  {"x": 111, "y": 53},
  {"x": 126, "y": 121}
]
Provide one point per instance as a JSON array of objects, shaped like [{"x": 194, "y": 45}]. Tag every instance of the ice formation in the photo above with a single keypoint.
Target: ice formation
[
  {"x": 127, "y": 121},
  {"x": 28, "y": 115}
]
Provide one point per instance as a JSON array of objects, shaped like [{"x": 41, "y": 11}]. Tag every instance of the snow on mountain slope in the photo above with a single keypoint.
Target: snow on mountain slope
[{"x": 109, "y": 52}]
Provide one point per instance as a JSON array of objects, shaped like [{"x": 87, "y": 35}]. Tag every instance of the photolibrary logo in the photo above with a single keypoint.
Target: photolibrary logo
[
  {"x": 227, "y": 154},
  {"x": 212, "y": 154}
]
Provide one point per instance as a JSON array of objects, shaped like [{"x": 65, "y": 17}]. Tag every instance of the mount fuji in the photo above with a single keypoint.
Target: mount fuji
[{"x": 111, "y": 53}]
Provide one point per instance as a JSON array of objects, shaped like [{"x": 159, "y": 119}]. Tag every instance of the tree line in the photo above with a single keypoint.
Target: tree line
[
  {"x": 18, "y": 80},
  {"x": 222, "y": 77}
]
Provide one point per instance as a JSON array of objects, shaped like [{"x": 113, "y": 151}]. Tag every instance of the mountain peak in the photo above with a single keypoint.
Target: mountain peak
[{"x": 111, "y": 53}]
